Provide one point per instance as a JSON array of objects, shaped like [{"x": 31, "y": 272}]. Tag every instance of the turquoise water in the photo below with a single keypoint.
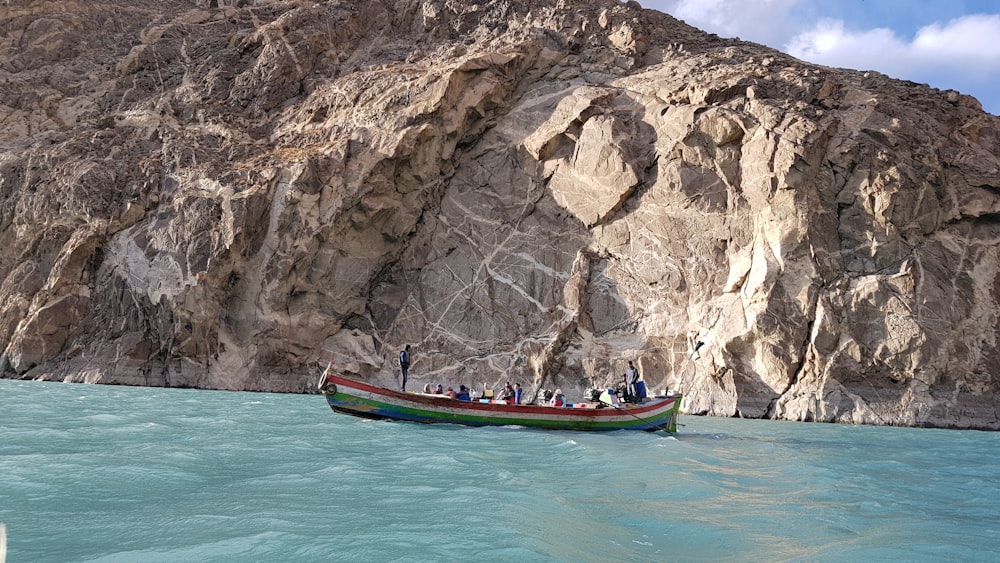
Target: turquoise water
[{"x": 110, "y": 474}]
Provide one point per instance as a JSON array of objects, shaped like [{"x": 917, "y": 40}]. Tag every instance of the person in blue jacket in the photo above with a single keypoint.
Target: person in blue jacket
[
  {"x": 404, "y": 364},
  {"x": 463, "y": 393},
  {"x": 517, "y": 393}
]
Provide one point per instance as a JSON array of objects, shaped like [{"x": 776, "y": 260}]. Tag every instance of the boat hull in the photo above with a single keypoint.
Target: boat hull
[{"x": 360, "y": 399}]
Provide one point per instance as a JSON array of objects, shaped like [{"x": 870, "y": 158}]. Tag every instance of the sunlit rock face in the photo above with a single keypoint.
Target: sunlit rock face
[{"x": 227, "y": 194}]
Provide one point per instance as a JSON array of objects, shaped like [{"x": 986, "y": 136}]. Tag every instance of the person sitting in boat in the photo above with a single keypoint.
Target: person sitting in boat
[
  {"x": 517, "y": 393},
  {"x": 558, "y": 399},
  {"x": 427, "y": 388},
  {"x": 508, "y": 393},
  {"x": 439, "y": 390},
  {"x": 463, "y": 393},
  {"x": 451, "y": 392},
  {"x": 487, "y": 392}
]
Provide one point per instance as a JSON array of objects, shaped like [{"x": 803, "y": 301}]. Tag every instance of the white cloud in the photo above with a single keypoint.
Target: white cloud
[
  {"x": 831, "y": 44},
  {"x": 762, "y": 21},
  {"x": 961, "y": 54},
  {"x": 973, "y": 37},
  {"x": 969, "y": 42}
]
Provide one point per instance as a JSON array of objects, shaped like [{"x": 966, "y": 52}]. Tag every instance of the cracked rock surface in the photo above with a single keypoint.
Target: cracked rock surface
[{"x": 226, "y": 194}]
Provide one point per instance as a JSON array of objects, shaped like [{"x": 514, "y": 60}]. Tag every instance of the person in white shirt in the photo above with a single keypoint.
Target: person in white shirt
[{"x": 631, "y": 380}]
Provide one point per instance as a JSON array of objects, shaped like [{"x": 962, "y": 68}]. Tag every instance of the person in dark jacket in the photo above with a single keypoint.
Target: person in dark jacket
[
  {"x": 404, "y": 364},
  {"x": 463, "y": 393},
  {"x": 508, "y": 393}
]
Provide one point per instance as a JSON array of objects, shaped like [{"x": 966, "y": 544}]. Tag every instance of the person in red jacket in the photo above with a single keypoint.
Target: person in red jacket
[
  {"x": 558, "y": 399},
  {"x": 507, "y": 394}
]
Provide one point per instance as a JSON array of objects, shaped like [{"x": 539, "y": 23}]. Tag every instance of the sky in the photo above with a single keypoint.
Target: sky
[{"x": 948, "y": 44}]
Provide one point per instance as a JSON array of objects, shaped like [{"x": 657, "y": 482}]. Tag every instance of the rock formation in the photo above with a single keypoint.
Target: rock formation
[{"x": 227, "y": 194}]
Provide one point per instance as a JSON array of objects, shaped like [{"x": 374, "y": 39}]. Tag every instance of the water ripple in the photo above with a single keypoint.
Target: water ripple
[{"x": 132, "y": 474}]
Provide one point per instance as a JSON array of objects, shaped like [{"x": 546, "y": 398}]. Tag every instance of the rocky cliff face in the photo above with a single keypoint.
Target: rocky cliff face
[{"x": 227, "y": 194}]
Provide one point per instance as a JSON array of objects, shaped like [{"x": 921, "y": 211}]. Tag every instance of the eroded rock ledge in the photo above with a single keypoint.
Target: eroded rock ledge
[{"x": 227, "y": 194}]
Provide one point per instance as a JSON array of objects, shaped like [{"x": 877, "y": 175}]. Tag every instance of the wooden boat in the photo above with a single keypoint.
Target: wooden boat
[{"x": 356, "y": 398}]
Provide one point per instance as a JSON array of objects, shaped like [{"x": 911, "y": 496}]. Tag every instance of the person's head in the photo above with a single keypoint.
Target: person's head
[
  {"x": 558, "y": 391},
  {"x": 508, "y": 385},
  {"x": 462, "y": 388},
  {"x": 517, "y": 386},
  {"x": 486, "y": 386},
  {"x": 439, "y": 386},
  {"x": 450, "y": 388},
  {"x": 407, "y": 348},
  {"x": 630, "y": 364}
]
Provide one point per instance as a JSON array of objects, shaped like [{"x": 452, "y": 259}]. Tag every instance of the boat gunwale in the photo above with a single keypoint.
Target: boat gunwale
[
  {"x": 652, "y": 408},
  {"x": 364, "y": 400}
]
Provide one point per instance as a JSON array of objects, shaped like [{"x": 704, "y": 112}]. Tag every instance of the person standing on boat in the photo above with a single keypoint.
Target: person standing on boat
[
  {"x": 632, "y": 380},
  {"x": 404, "y": 364},
  {"x": 517, "y": 393}
]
